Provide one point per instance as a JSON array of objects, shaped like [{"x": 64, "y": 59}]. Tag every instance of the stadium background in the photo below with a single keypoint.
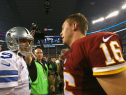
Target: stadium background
[{"x": 50, "y": 14}]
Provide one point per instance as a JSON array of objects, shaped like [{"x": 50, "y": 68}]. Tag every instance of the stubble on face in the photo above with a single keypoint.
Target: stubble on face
[{"x": 24, "y": 43}]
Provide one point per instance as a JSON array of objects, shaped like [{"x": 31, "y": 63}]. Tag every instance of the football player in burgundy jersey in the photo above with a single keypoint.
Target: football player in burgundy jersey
[{"x": 94, "y": 64}]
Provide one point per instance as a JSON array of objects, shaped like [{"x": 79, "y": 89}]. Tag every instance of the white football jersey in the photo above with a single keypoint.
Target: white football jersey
[{"x": 14, "y": 73}]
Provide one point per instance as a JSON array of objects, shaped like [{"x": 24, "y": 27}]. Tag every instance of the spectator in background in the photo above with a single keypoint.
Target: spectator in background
[
  {"x": 13, "y": 69},
  {"x": 61, "y": 56},
  {"x": 60, "y": 69},
  {"x": 45, "y": 60},
  {"x": 39, "y": 74},
  {"x": 94, "y": 64},
  {"x": 57, "y": 62},
  {"x": 52, "y": 69},
  {"x": 52, "y": 66}
]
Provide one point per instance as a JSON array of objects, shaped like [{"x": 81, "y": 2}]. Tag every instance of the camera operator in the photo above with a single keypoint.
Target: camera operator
[
  {"x": 38, "y": 35},
  {"x": 38, "y": 71},
  {"x": 35, "y": 27}
]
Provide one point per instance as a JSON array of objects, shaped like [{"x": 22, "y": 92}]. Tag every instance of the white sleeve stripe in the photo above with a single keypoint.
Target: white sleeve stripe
[
  {"x": 8, "y": 84},
  {"x": 7, "y": 72},
  {"x": 3, "y": 76},
  {"x": 109, "y": 68},
  {"x": 9, "y": 79}
]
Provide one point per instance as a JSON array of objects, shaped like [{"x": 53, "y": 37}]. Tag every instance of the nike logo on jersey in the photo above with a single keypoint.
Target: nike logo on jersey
[
  {"x": 6, "y": 64},
  {"x": 106, "y": 39}
]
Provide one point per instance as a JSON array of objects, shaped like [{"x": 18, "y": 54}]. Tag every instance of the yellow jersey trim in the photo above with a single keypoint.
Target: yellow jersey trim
[{"x": 110, "y": 72}]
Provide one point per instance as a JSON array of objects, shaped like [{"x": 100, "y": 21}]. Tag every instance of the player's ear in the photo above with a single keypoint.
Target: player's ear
[{"x": 74, "y": 26}]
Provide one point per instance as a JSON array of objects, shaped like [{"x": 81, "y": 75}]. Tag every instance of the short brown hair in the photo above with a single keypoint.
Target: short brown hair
[
  {"x": 80, "y": 20},
  {"x": 64, "y": 50}
]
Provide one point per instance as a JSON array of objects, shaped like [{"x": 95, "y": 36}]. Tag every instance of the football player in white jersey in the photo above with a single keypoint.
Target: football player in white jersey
[{"x": 13, "y": 69}]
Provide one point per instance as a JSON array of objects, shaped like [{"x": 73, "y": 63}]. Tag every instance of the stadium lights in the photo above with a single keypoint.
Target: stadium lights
[
  {"x": 98, "y": 20},
  {"x": 124, "y": 6},
  {"x": 115, "y": 13}
]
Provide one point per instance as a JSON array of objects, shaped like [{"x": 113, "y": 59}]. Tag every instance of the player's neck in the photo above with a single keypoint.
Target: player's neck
[
  {"x": 18, "y": 53},
  {"x": 76, "y": 36}
]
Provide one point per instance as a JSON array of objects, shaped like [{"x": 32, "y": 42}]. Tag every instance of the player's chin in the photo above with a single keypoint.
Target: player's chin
[
  {"x": 65, "y": 43},
  {"x": 25, "y": 50}
]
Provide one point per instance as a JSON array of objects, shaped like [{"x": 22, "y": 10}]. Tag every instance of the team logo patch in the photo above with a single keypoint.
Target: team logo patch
[{"x": 8, "y": 35}]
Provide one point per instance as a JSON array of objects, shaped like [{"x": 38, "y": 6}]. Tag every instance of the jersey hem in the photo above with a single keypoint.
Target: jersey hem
[{"x": 110, "y": 72}]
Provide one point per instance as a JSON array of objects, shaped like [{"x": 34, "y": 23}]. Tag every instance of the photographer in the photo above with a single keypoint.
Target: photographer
[
  {"x": 38, "y": 71},
  {"x": 39, "y": 74}
]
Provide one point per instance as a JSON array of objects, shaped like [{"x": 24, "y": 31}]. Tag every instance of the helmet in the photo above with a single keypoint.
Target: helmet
[{"x": 12, "y": 39}]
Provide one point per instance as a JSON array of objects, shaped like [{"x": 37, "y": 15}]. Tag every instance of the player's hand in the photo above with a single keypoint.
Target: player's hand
[
  {"x": 60, "y": 57},
  {"x": 32, "y": 32},
  {"x": 52, "y": 87},
  {"x": 28, "y": 59},
  {"x": 28, "y": 56}
]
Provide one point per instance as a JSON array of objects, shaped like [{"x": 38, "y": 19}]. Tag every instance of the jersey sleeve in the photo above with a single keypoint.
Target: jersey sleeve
[
  {"x": 106, "y": 55},
  {"x": 8, "y": 70}
]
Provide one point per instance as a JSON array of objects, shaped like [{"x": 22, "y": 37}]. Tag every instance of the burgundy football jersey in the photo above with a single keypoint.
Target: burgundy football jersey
[{"x": 96, "y": 54}]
